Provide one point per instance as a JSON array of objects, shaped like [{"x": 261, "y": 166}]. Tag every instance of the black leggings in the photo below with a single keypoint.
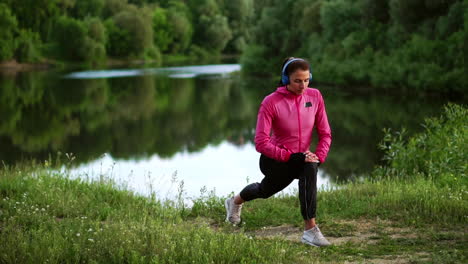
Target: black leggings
[{"x": 278, "y": 175}]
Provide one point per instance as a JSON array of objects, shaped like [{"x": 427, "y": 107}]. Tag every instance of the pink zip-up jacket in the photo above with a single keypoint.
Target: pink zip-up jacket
[{"x": 290, "y": 120}]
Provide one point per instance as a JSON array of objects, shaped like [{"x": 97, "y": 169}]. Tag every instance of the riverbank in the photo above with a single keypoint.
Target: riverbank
[
  {"x": 409, "y": 211},
  {"x": 13, "y": 66},
  {"x": 48, "y": 217}
]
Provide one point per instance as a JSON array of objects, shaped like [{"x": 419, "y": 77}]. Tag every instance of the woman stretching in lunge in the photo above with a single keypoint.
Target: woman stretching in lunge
[{"x": 289, "y": 114}]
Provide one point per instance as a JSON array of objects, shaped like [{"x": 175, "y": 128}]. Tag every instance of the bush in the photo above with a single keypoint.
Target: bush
[
  {"x": 439, "y": 153},
  {"x": 27, "y": 43}
]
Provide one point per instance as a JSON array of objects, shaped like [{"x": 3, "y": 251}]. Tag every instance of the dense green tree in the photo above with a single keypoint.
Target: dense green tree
[
  {"x": 410, "y": 13},
  {"x": 212, "y": 30},
  {"x": 87, "y": 8},
  {"x": 415, "y": 44},
  {"x": 180, "y": 26},
  {"x": 113, "y": 7},
  {"x": 8, "y": 29},
  {"x": 37, "y": 15},
  {"x": 161, "y": 29},
  {"x": 339, "y": 18},
  {"x": 239, "y": 14},
  {"x": 274, "y": 38},
  {"x": 130, "y": 33},
  {"x": 70, "y": 35},
  {"x": 216, "y": 32},
  {"x": 27, "y": 46},
  {"x": 80, "y": 40}
]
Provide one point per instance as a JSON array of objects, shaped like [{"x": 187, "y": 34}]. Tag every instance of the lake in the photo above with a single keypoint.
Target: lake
[{"x": 189, "y": 128}]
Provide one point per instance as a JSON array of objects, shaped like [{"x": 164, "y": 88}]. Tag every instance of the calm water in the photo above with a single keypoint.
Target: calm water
[{"x": 162, "y": 129}]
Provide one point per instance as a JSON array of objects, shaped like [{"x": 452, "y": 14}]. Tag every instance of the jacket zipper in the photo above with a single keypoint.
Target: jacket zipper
[{"x": 299, "y": 122}]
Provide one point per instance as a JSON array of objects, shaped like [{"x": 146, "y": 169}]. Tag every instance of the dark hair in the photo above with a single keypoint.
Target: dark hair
[{"x": 294, "y": 66}]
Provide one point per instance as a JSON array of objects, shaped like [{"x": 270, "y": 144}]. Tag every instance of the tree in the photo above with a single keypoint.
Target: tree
[
  {"x": 8, "y": 28},
  {"x": 130, "y": 33},
  {"x": 70, "y": 35},
  {"x": 161, "y": 29},
  {"x": 182, "y": 30},
  {"x": 87, "y": 8},
  {"x": 217, "y": 32},
  {"x": 80, "y": 40},
  {"x": 410, "y": 13},
  {"x": 211, "y": 27},
  {"x": 339, "y": 18},
  {"x": 239, "y": 14},
  {"x": 37, "y": 15}
]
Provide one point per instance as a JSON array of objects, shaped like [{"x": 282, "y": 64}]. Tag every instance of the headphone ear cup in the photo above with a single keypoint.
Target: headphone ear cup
[
  {"x": 285, "y": 79},
  {"x": 310, "y": 77}
]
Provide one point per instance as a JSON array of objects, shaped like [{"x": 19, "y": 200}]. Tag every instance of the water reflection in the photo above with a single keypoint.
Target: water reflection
[
  {"x": 173, "y": 72},
  {"x": 159, "y": 116},
  {"x": 222, "y": 169}
]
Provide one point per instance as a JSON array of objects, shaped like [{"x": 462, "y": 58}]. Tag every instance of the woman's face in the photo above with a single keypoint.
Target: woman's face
[{"x": 298, "y": 81}]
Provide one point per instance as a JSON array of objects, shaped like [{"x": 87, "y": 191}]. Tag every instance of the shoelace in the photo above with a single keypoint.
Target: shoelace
[{"x": 319, "y": 234}]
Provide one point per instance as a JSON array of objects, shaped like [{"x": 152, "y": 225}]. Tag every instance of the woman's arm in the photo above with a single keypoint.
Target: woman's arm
[
  {"x": 262, "y": 135},
  {"x": 323, "y": 131}
]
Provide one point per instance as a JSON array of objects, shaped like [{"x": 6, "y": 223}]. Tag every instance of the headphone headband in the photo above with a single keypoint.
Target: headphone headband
[
  {"x": 284, "y": 75},
  {"x": 283, "y": 72}
]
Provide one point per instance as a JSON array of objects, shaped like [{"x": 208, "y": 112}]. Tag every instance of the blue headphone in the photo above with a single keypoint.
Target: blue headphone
[{"x": 285, "y": 77}]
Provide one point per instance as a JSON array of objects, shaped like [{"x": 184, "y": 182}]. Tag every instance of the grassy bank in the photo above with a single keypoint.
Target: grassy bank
[{"x": 404, "y": 213}]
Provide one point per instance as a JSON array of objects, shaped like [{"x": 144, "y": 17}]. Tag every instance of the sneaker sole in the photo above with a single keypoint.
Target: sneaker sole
[{"x": 305, "y": 241}]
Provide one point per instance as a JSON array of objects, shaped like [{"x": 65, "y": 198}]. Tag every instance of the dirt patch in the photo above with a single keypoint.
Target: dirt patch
[{"x": 287, "y": 232}]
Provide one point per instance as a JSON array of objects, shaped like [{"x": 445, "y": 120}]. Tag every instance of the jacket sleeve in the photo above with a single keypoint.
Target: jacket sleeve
[
  {"x": 323, "y": 131},
  {"x": 262, "y": 135}
]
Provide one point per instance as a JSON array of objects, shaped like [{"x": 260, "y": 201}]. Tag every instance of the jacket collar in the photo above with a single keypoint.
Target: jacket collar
[{"x": 283, "y": 90}]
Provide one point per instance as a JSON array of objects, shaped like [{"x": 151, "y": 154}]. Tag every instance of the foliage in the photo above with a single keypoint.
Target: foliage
[
  {"x": 8, "y": 28},
  {"x": 141, "y": 29},
  {"x": 130, "y": 33},
  {"x": 216, "y": 30},
  {"x": 394, "y": 44},
  {"x": 80, "y": 40},
  {"x": 162, "y": 29},
  {"x": 181, "y": 28},
  {"x": 28, "y": 43},
  {"x": 438, "y": 153}
]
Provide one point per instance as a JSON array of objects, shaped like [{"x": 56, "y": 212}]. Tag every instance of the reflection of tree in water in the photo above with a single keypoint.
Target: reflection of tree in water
[
  {"x": 357, "y": 119},
  {"x": 141, "y": 116},
  {"x": 126, "y": 117}
]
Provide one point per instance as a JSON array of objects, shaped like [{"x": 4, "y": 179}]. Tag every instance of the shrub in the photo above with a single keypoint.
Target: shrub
[
  {"x": 26, "y": 47},
  {"x": 438, "y": 153}
]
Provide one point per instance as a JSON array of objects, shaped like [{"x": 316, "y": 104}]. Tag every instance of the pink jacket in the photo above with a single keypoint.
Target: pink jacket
[{"x": 291, "y": 119}]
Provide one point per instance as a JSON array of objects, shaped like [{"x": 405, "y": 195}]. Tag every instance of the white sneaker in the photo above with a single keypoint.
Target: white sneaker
[
  {"x": 233, "y": 211},
  {"x": 315, "y": 238}
]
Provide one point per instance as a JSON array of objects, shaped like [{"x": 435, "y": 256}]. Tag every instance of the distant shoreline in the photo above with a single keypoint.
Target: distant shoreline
[{"x": 14, "y": 66}]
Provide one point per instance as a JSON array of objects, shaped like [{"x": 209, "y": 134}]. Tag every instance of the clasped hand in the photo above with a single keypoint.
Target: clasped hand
[{"x": 311, "y": 157}]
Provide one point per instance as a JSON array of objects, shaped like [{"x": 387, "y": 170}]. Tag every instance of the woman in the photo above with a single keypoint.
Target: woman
[{"x": 289, "y": 115}]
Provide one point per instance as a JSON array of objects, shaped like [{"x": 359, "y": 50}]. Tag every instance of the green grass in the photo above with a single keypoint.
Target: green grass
[
  {"x": 50, "y": 218},
  {"x": 405, "y": 212}
]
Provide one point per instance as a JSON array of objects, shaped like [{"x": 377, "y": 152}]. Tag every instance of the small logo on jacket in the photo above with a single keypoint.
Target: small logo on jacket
[{"x": 308, "y": 104}]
